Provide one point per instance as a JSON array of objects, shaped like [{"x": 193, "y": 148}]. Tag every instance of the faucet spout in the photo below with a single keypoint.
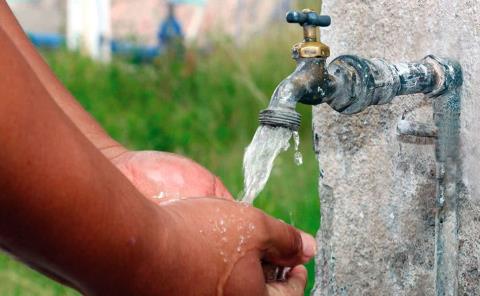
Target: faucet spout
[{"x": 308, "y": 84}]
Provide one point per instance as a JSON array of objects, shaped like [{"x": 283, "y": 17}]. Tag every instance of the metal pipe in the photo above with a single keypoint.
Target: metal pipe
[
  {"x": 415, "y": 78},
  {"x": 416, "y": 129}
]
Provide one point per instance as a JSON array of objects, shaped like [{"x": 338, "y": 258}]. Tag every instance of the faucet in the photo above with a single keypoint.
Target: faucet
[{"x": 349, "y": 84}]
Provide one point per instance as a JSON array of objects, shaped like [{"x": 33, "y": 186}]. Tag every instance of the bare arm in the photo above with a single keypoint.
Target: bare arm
[{"x": 63, "y": 206}]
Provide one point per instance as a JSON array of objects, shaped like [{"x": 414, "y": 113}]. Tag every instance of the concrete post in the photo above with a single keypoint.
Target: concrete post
[{"x": 385, "y": 230}]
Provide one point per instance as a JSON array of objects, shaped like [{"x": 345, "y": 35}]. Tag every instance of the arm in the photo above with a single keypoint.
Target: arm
[{"x": 63, "y": 206}]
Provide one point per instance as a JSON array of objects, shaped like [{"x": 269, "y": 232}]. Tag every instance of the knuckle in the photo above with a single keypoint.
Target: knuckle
[{"x": 295, "y": 241}]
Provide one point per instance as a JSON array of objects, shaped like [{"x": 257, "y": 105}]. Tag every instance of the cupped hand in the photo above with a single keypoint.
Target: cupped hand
[
  {"x": 220, "y": 249},
  {"x": 165, "y": 176}
]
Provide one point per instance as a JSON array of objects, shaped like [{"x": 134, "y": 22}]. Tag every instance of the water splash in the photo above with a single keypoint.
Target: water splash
[
  {"x": 298, "y": 155},
  {"x": 267, "y": 143}
]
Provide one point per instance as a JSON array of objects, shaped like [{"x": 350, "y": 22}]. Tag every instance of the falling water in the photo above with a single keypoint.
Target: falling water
[
  {"x": 258, "y": 160},
  {"x": 267, "y": 143},
  {"x": 298, "y": 155}
]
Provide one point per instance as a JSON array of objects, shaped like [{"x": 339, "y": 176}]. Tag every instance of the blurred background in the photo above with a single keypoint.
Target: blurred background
[{"x": 183, "y": 76}]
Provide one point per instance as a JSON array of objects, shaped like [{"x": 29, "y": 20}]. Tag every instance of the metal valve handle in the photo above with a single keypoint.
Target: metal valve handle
[{"x": 308, "y": 17}]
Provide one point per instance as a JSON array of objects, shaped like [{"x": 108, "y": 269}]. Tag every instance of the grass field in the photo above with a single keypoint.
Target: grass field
[{"x": 206, "y": 108}]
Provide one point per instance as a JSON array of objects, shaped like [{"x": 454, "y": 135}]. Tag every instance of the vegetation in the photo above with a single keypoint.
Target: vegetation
[{"x": 205, "y": 107}]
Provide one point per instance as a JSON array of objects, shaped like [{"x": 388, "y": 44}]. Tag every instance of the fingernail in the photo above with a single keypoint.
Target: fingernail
[{"x": 309, "y": 245}]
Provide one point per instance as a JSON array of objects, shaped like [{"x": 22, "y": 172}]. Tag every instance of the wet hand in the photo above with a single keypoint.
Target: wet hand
[
  {"x": 220, "y": 249},
  {"x": 293, "y": 286},
  {"x": 165, "y": 176}
]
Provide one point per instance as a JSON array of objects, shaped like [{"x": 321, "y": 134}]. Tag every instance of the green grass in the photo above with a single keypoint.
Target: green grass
[{"x": 205, "y": 108}]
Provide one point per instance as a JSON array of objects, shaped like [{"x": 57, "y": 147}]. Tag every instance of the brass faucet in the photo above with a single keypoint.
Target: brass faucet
[{"x": 311, "y": 46}]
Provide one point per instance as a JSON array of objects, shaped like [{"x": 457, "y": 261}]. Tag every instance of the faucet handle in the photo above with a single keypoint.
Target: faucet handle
[{"x": 308, "y": 17}]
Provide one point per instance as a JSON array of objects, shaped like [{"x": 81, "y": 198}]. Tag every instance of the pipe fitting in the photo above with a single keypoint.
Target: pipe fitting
[
  {"x": 448, "y": 74},
  {"x": 362, "y": 83},
  {"x": 281, "y": 117}
]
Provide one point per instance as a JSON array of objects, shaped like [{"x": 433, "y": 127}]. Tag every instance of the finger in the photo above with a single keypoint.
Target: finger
[
  {"x": 220, "y": 190},
  {"x": 287, "y": 246},
  {"x": 294, "y": 286}
]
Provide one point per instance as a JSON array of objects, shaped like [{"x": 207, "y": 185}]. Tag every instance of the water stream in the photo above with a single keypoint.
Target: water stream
[{"x": 258, "y": 160}]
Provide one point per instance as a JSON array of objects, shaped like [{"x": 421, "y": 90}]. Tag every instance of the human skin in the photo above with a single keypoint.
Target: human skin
[
  {"x": 153, "y": 173},
  {"x": 68, "y": 212}
]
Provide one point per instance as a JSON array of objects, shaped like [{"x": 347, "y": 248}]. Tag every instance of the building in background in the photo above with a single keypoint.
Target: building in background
[
  {"x": 40, "y": 16},
  {"x": 85, "y": 25},
  {"x": 97, "y": 26},
  {"x": 238, "y": 18}
]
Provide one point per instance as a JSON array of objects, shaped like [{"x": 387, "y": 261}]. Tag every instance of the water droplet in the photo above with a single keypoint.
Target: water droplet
[
  {"x": 298, "y": 155},
  {"x": 245, "y": 204},
  {"x": 292, "y": 221},
  {"x": 298, "y": 158},
  {"x": 161, "y": 195},
  {"x": 296, "y": 139}
]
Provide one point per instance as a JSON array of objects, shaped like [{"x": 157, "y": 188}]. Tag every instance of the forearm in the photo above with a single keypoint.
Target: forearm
[
  {"x": 82, "y": 119},
  {"x": 64, "y": 208}
]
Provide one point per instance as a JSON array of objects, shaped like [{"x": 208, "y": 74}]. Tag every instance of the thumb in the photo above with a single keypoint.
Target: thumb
[
  {"x": 287, "y": 246},
  {"x": 294, "y": 286}
]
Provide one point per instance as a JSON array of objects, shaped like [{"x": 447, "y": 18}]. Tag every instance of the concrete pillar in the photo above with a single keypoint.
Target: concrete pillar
[{"x": 383, "y": 231}]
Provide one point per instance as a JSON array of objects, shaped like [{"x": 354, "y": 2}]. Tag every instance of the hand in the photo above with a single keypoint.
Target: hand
[
  {"x": 161, "y": 175},
  {"x": 220, "y": 250}
]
